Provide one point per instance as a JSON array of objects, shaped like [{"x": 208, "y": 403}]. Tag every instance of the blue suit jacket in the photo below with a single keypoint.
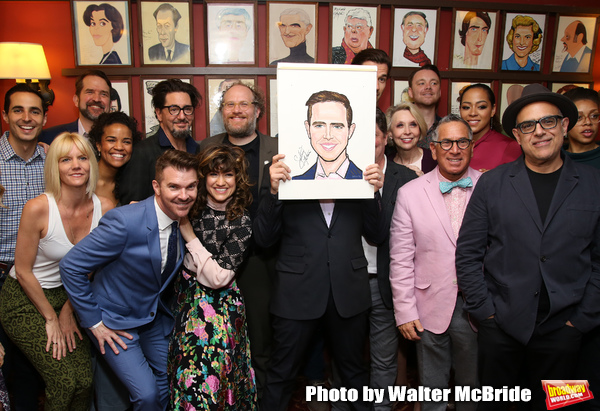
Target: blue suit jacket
[
  {"x": 353, "y": 173},
  {"x": 50, "y": 134},
  {"x": 124, "y": 251},
  {"x": 504, "y": 251}
]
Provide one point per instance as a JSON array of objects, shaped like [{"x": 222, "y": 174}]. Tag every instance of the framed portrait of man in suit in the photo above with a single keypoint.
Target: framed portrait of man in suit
[
  {"x": 150, "y": 122},
  {"x": 166, "y": 32},
  {"x": 215, "y": 86},
  {"x": 102, "y": 33},
  {"x": 474, "y": 39},
  {"x": 574, "y": 46},
  {"x": 231, "y": 33},
  {"x": 292, "y": 32},
  {"x": 415, "y": 37},
  {"x": 326, "y": 129},
  {"x": 354, "y": 28}
]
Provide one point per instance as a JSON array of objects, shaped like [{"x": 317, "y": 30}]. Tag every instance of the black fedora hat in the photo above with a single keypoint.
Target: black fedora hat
[{"x": 534, "y": 93}]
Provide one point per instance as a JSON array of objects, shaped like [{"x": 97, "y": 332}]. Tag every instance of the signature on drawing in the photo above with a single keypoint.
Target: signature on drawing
[{"x": 302, "y": 157}]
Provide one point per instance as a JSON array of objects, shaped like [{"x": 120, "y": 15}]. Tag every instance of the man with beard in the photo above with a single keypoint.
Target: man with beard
[
  {"x": 92, "y": 98},
  {"x": 241, "y": 107},
  {"x": 174, "y": 103}
]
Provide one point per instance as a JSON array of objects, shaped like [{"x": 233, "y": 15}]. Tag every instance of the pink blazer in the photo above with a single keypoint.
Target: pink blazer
[{"x": 422, "y": 247}]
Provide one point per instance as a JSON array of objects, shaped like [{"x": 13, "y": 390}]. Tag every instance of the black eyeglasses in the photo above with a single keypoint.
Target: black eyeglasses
[
  {"x": 174, "y": 110},
  {"x": 461, "y": 143},
  {"x": 548, "y": 122}
]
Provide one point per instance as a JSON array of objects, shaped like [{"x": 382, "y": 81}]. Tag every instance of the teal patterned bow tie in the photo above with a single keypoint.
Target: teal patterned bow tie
[{"x": 447, "y": 186}]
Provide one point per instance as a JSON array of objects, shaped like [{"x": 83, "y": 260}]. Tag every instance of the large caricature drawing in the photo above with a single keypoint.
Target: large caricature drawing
[{"x": 327, "y": 130}]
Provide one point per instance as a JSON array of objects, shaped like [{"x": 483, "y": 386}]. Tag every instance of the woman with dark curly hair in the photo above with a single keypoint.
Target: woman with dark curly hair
[
  {"x": 106, "y": 28},
  {"x": 113, "y": 136},
  {"x": 209, "y": 354}
]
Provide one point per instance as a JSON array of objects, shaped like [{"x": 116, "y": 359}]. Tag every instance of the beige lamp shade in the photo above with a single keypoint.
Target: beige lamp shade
[{"x": 25, "y": 61}]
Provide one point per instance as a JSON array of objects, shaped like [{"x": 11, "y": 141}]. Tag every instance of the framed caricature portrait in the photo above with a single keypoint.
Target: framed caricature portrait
[
  {"x": 120, "y": 95},
  {"x": 151, "y": 125},
  {"x": 166, "y": 34},
  {"x": 456, "y": 88},
  {"x": 401, "y": 92},
  {"x": 353, "y": 29},
  {"x": 574, "y": 45},
  {"x": 273, "y": 118},
  {"x": 292, "y": 32},
  {"x": 474, "y": 39},
  {"x": 231, "y": 33},
  {"x": 328, "y": 145},
  {"x": 509, "y": 92},
  {"x": 214, "y": 90},
  {"x": 415, "y": 37},
  {"x": 562, "y": 88},
  {"x": 523, "y": 41},
  {"x": 102, "y": 33}
]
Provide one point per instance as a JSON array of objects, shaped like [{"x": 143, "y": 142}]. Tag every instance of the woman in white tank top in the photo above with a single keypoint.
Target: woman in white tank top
[{"x": 34, "y": 307}]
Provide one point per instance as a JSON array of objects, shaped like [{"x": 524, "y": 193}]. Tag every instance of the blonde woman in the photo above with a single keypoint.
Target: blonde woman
[{"x": 34, "y": 308}]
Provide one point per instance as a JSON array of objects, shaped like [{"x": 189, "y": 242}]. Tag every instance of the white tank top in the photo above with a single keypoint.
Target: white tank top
[{"x": 55, "y": 245}]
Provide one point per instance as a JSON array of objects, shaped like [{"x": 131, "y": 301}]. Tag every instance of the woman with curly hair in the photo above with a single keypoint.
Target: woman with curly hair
[
  {"x": 523, "y": 38},
  {"x": 209, "y": 355}
]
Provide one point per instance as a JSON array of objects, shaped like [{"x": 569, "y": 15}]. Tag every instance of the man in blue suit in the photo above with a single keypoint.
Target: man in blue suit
[
  {"x": 329, "y": 127},
  {"x": 528, "y": 252},
  {"x": 168, "y": 50},
  {"x": 92, "y": 98},
  {"x": 135, "y": 252}
]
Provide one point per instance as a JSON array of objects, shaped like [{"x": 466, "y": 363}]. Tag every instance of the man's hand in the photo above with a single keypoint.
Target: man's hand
[
  {"x": 279, "y": 171},
  {"x": 104, "y": 334},
  {"x": 374, "y": 176},
  {"x": 409, "y": 330}
]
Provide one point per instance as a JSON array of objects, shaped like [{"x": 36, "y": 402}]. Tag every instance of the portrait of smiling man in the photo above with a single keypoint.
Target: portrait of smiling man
[
  {"x": 168, "y": 50},
  {"x": 329, "y": 127},
  {"x": 358, "y": 29},
  {"x": 294, "y": 25},
  {"x": 414, "y": 29}
]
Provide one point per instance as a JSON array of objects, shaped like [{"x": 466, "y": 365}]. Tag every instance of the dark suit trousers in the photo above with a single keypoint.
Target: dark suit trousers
[
  {"x": 291, "y": 339},
  {"x": 503, "y": 361}
]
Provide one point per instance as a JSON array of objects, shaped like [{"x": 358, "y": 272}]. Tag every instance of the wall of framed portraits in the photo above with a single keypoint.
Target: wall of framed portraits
[{"x": 260, "y": 39}]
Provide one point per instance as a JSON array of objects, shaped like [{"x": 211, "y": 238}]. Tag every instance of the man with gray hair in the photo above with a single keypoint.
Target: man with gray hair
[
  {"x": 294, "y": 25},
  {"x": 414, "y": 29},
  {"x": 169, "y": 49},
  {"x": 357, "y": 31}
]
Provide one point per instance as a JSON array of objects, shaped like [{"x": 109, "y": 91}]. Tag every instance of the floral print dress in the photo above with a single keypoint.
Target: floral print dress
[{"x": 209, "y": 353}]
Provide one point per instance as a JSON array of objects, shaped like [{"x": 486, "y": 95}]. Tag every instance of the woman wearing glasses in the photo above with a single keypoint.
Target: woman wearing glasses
[
  {"x": 582, "y": 145},
  {"x": 491, "y": 148},
  {"x": 406, "y": 127}
]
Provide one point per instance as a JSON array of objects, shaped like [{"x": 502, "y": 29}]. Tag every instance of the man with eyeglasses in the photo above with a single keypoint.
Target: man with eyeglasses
[
  {"x": 241, "y": 107},
  {"x": 428, "y": 304},
  {"x": 528, "y": 253},
  {"x": 357, "y": 31},
  {"x": 174, "y": 104}
]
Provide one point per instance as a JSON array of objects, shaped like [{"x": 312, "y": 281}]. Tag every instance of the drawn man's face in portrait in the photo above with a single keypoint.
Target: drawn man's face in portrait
[
  {"x": 356, "y": 34},
  {"x": 100, "y": 28},
  {"x": 293, "y": 30},
  {"x": 328, "y": 130},
  {"x": 571, "y": 43},
  {"x": 233, "y": 29},
  {"x": 166, "y": 28},
  {"x": 414, "y": 30},
  {"x": 476, "y": 37},
  {"x": 523, "y": 41}
]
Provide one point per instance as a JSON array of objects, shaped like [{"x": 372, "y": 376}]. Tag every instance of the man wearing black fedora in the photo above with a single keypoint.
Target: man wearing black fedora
[{"x": 533, "y": 228}]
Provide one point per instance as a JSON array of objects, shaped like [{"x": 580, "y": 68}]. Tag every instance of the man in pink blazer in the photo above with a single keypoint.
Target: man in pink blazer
[{"x": 425, "y": 225}]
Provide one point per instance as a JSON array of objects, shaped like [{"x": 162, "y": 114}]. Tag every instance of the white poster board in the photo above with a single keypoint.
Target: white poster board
[{"x": 300, "y": 140}]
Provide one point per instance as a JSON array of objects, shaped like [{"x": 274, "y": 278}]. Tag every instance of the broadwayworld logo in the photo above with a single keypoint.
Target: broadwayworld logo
[{"x": 560, "y": 393}]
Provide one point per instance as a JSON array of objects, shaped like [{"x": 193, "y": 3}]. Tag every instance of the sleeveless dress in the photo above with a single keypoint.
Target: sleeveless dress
[{"x": 209, "y": 354}]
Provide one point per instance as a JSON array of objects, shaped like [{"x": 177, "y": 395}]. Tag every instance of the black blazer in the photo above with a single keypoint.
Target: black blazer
[
  {"x": 504, "y": 251},
  {"x": 315, "y": 260},
  {"x": 395, "y": 177},
  {"x": 157, "y": 52},
  {"x": 50, "y": 134}
]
